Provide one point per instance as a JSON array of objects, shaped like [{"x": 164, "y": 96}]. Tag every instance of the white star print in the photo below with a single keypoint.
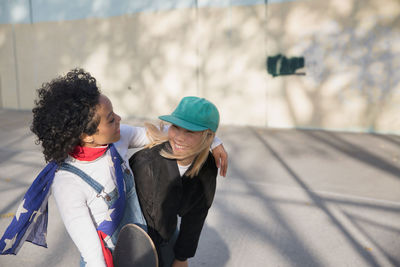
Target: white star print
[
  {"x": 9, "y": 243},
  {"x": 38, "y": 213},
  {"x": 108, "y": 215},
  {"x": 33, "y": 215},
  {"x": 20, "y": 210}
]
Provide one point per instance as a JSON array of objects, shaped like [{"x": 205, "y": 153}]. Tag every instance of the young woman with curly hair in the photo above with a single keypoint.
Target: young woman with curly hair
[{"x": 80, "y": 132}]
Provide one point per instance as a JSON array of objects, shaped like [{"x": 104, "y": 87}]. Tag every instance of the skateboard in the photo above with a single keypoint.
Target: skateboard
[{"x": 134, "y": 248}]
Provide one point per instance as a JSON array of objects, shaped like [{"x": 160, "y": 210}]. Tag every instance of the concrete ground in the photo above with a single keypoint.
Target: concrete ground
[{"x": 291, "y": 198}]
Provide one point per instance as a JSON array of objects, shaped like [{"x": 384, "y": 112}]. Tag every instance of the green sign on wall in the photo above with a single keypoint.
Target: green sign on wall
[{"x": 280, "y": 65}]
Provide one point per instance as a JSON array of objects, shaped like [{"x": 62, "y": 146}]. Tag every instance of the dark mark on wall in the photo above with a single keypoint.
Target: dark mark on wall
[{"x": 280, "y": 65}]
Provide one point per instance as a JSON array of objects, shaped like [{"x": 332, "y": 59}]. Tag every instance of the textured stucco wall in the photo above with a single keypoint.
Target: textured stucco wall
[
  {"x": 146, "y": 57},
  {"x": 352, "y": 64}
]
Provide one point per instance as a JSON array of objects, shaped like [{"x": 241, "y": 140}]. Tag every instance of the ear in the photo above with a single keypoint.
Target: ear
[{"x": 87, "y": 138}]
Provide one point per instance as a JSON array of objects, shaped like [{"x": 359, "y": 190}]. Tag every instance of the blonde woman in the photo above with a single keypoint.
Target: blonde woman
[{"x": 176, "y": 175}]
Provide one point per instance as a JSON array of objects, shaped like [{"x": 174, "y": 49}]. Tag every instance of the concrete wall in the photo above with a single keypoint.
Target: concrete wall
[
  {"x": 352, "y": 64},
  {"x": 147, "y": 56}
]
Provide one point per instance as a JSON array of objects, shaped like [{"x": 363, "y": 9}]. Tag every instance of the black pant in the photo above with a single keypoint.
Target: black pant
[{"x": 165, "y": 251}]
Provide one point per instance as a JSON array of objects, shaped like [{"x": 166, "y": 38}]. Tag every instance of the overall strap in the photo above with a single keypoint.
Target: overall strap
[
  {"x": 117, "y": 207},
  {"x": 109, "y": 226},
  {"x": 89, "y": 180}
]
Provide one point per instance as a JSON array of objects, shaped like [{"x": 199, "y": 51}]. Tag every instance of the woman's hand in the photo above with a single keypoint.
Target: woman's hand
[
  {"x": 221, "y": 159},
  {"x": 178, "y": 263}
]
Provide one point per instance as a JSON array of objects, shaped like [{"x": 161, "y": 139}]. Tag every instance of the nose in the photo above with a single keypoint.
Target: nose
[
  {"x": 118, "y": 117},
  {"x": 179, "y": 135}
]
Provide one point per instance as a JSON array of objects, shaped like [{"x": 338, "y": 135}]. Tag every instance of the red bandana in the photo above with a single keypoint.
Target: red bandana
[{"x": 85, "y": 153}]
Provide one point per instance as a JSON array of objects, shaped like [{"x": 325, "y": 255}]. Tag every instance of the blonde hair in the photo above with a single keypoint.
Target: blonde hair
[{"x": 157, "y": 135}]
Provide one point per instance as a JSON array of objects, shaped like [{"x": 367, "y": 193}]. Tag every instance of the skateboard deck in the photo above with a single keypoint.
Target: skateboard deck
[{"x": 134, "y": 248}]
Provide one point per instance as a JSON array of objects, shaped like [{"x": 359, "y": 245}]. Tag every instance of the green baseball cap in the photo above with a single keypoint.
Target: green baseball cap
[{"x": 194, "y": 114}]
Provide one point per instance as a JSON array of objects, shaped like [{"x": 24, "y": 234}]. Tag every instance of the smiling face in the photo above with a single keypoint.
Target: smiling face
[
  {"x": 183, "y": 141},
  {"x": 108, "y": 130}
]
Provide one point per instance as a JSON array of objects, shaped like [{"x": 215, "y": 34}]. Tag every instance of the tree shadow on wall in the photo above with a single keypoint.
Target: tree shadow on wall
[{"x": 344, "y": 53}]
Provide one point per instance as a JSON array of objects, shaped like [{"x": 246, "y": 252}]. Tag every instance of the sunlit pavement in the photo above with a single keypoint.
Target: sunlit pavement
[{"x": 291, "y": 198}]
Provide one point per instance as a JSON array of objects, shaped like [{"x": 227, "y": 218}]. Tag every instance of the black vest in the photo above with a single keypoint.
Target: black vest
[{"x": 164, "y": 194}]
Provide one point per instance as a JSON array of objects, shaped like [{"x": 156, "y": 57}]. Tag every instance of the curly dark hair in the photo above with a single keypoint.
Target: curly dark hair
[{"x": 65, "y": 109}]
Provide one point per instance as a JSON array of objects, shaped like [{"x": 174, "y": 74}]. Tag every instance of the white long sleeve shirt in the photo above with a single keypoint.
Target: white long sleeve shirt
[{"x": 80, "y": 209}]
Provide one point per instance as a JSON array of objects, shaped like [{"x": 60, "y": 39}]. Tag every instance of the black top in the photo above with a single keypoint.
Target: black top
[{"x": 164, "y": 194}]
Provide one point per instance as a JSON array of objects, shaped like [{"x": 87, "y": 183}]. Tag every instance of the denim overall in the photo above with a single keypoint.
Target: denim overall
[{"x": 132, "y": 212}]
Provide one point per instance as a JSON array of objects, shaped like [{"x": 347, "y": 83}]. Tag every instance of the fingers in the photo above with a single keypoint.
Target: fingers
[
  {"x": 224, "y": 166},
  {"x": 218, "y": 161},
  {"x": 221, "y": 159},
  {"x": 223, "y": 163}
]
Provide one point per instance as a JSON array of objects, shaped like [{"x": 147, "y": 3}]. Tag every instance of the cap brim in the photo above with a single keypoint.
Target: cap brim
[{"x": 182, "y": 123}]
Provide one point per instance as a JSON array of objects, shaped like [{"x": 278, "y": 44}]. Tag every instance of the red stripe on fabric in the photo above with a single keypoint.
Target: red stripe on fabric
[{"x": 106, "y": 251}]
